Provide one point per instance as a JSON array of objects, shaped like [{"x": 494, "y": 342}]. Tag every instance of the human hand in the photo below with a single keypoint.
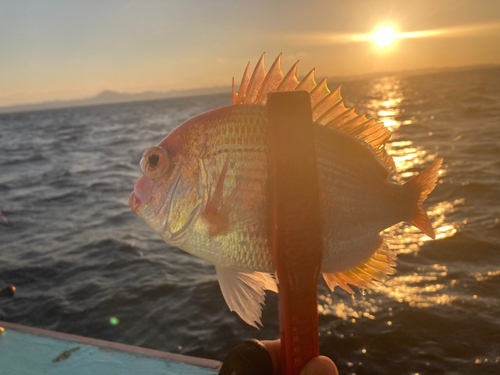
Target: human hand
[
  {"x": 253, "y": 357},
  {"x": 317, "y": 366}
]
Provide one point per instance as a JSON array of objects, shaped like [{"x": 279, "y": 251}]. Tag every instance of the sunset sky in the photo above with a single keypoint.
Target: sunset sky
[{"x": 60, "y": 49}]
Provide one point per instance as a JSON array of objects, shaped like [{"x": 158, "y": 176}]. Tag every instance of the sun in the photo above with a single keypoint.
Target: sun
[{"x": 384, "y": 36}]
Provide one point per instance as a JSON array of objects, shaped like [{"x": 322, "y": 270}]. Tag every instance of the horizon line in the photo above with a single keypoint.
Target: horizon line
[{"x": 213, "y": 90}]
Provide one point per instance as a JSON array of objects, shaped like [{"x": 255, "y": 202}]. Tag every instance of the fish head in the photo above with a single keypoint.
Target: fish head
[{"x": 166, "y": 196}]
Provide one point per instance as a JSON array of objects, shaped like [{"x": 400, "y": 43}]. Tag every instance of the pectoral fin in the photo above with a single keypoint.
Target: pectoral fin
[
  {"x": 221, "y": 214},
  {"x": 245, "y": 292}
]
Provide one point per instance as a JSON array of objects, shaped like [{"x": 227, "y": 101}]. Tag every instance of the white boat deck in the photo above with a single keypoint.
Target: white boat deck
[{"x": 33, "y": 351}]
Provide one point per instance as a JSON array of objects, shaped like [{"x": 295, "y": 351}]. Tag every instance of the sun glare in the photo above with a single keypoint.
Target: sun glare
[{"x": 384, "y": 36}]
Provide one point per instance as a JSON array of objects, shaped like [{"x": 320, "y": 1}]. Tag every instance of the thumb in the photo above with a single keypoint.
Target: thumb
[{"x": 320, "y": 366}]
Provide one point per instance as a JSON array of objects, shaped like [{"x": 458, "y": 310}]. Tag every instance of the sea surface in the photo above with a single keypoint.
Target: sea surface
[{"x": 82, "y": 263}]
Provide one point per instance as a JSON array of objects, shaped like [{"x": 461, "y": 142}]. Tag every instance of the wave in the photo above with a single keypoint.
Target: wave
[{"x": 79, "y": 257}]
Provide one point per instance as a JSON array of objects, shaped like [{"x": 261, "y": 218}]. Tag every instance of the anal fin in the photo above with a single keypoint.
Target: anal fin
[
  {"x": 245, "y": 292},
  {"x": 374, "y": 270}
]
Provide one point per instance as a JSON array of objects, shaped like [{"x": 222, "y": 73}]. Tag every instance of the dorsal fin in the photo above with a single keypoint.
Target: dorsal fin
[{"x": 328, "y": 108}]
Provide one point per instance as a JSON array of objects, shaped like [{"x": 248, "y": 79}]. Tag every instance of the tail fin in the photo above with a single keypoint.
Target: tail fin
[{"x": 424, "y": 183}]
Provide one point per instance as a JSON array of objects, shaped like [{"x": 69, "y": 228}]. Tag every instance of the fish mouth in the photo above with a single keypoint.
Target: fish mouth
[{"x": 134, "y": 202}]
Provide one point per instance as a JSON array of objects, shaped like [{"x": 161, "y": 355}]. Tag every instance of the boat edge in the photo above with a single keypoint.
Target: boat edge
[{"x": 188, "y": 360}]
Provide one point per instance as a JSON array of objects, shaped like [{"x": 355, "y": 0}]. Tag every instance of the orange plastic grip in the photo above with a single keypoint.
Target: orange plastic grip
[{"x": 295, "y": 224}]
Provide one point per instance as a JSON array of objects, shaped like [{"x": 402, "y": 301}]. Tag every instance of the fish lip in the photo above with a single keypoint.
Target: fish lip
[{"x": 134, "y": 202}]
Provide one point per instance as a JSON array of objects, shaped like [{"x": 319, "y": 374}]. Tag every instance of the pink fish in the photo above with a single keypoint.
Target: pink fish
[{"x": 204, "y": 189}]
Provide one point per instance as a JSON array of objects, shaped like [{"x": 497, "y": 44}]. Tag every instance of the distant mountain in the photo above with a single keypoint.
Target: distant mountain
[{"x": 110, "y": 97}]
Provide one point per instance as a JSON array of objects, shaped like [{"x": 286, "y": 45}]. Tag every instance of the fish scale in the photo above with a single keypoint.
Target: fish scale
[{"x": 341, "y": 182}]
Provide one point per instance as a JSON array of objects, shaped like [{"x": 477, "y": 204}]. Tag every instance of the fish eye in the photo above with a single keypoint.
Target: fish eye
[{"x": 155, "y": 162}]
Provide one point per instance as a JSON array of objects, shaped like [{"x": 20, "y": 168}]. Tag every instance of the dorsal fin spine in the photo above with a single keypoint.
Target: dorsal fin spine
[
  {"x": 364, "y": 132},
  {"x": 332, "y": 123},
  {"x": 333, "y": 108},
  {"x": 375, "y": 136},
  {"x": 356, "y": 125},
  {"x": 234, "y": 95},
  {"x": 319, "y": 92},
  {"x": 326, "y": 98},
  {"x": 375, "y": 132},
  {"x": 255, "y": 83},
  {"x": 322, "y": 101},
  {"x": 290, "y": 78},
  {"x": 323, "y": 105},
  {"x": 361, "y": 128},
  {"x": 244, "y": 85},
  {"x": 308, "y": 83},
  {"x": 268, "y": 81},
  {"x": 322, "y": 83},
  {"x": 352, "y": 121}
]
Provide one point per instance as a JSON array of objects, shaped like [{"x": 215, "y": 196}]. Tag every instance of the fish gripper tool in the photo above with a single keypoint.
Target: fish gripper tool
[{"x": 296, "y": 235}]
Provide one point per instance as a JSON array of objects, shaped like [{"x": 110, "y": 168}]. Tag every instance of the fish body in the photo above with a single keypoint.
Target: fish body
[{"x": 205, "y": 189}]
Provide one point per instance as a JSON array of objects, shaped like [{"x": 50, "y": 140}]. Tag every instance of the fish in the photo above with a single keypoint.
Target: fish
[{"x": 204, "y": 189}]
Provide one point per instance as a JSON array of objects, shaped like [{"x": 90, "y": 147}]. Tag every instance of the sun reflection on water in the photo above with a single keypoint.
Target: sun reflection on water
[
  {"x": 387, "y": 108},
  {"x": 421, "y": 289},
  {"x": 427, "y": 286}
]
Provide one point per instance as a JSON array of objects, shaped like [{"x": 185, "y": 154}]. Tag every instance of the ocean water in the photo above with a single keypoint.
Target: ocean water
[{"x": 84, "y": 264}]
